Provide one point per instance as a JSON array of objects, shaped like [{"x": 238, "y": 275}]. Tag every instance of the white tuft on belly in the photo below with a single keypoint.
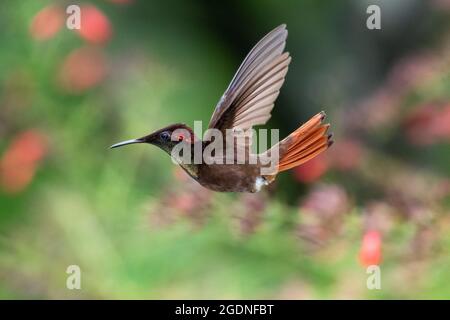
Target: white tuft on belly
[{"x": 259, "y": 183}]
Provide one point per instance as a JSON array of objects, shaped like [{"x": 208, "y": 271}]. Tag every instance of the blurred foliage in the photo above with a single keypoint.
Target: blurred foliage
[{"x": 139, "y": 228}]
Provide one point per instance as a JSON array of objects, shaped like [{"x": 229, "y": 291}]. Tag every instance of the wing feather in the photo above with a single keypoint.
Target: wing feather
[{"x": 255, "y": 86}]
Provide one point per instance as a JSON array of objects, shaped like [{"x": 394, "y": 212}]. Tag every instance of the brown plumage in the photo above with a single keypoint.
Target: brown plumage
[{"x": 247, "y": 102}]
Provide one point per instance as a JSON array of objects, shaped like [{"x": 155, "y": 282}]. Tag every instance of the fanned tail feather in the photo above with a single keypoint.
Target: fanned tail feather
[{"x": 305, "y": 143}]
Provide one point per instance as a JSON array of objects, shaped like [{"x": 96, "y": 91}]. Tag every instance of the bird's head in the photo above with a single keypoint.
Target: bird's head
[{"x": 166, "y": 138}]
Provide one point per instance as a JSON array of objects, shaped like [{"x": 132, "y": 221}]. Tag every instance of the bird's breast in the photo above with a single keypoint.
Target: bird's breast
[{"x": 230, "y": 177}]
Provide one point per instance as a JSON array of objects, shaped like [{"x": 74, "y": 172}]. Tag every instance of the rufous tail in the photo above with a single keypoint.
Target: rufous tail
[{"x": 305, "y": 143}]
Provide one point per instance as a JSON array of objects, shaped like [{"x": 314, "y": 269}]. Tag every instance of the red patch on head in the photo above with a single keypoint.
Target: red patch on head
[{"x": 183, "y": 137}]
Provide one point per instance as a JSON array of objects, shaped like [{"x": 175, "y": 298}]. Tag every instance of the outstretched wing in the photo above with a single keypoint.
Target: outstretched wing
[{"x": 250, "y": 97}]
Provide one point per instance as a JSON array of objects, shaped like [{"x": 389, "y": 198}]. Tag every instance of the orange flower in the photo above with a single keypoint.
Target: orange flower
[
  {"x": 95, "y": 26},
  {"x": 47, "y": 22},
  {"x": 311, "y": 170},
  {"x": 19, "y": 162},
  {"x": 370, "y": 252},
  {"x": 83, "y": 69}
]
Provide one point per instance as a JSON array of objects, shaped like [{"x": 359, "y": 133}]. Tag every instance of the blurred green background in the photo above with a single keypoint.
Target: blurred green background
[{"x": 139, "y": 228}]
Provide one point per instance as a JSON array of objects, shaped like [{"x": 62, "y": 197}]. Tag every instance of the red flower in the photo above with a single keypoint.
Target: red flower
[
  {"x": 370, "y": 252},
  {"x": 95, "y": 26},
  {"x": 311, "y": 170},
  {"x": 19, "y": 162},
  {"x": 441, "y": 123},
  {"x": 47, "y": 22},
  {"x": 345, "y": 155},
  {"x": 83, "y": 69},
  {"x": 428, "y": 124}
]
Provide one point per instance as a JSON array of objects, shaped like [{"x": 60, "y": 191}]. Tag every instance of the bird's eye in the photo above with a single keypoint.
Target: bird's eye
[{"x": 165, "y": 136}]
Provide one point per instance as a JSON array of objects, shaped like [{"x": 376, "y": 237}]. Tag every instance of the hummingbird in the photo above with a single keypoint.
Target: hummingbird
[{"x": 247, "y": 102}]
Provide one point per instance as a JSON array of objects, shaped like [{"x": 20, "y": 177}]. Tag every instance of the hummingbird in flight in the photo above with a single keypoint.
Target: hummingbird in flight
[{"x": 247, "y": 102}]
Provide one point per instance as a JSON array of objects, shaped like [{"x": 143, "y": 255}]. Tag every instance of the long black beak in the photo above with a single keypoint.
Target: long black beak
[{"x": 124, "y": 143}]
